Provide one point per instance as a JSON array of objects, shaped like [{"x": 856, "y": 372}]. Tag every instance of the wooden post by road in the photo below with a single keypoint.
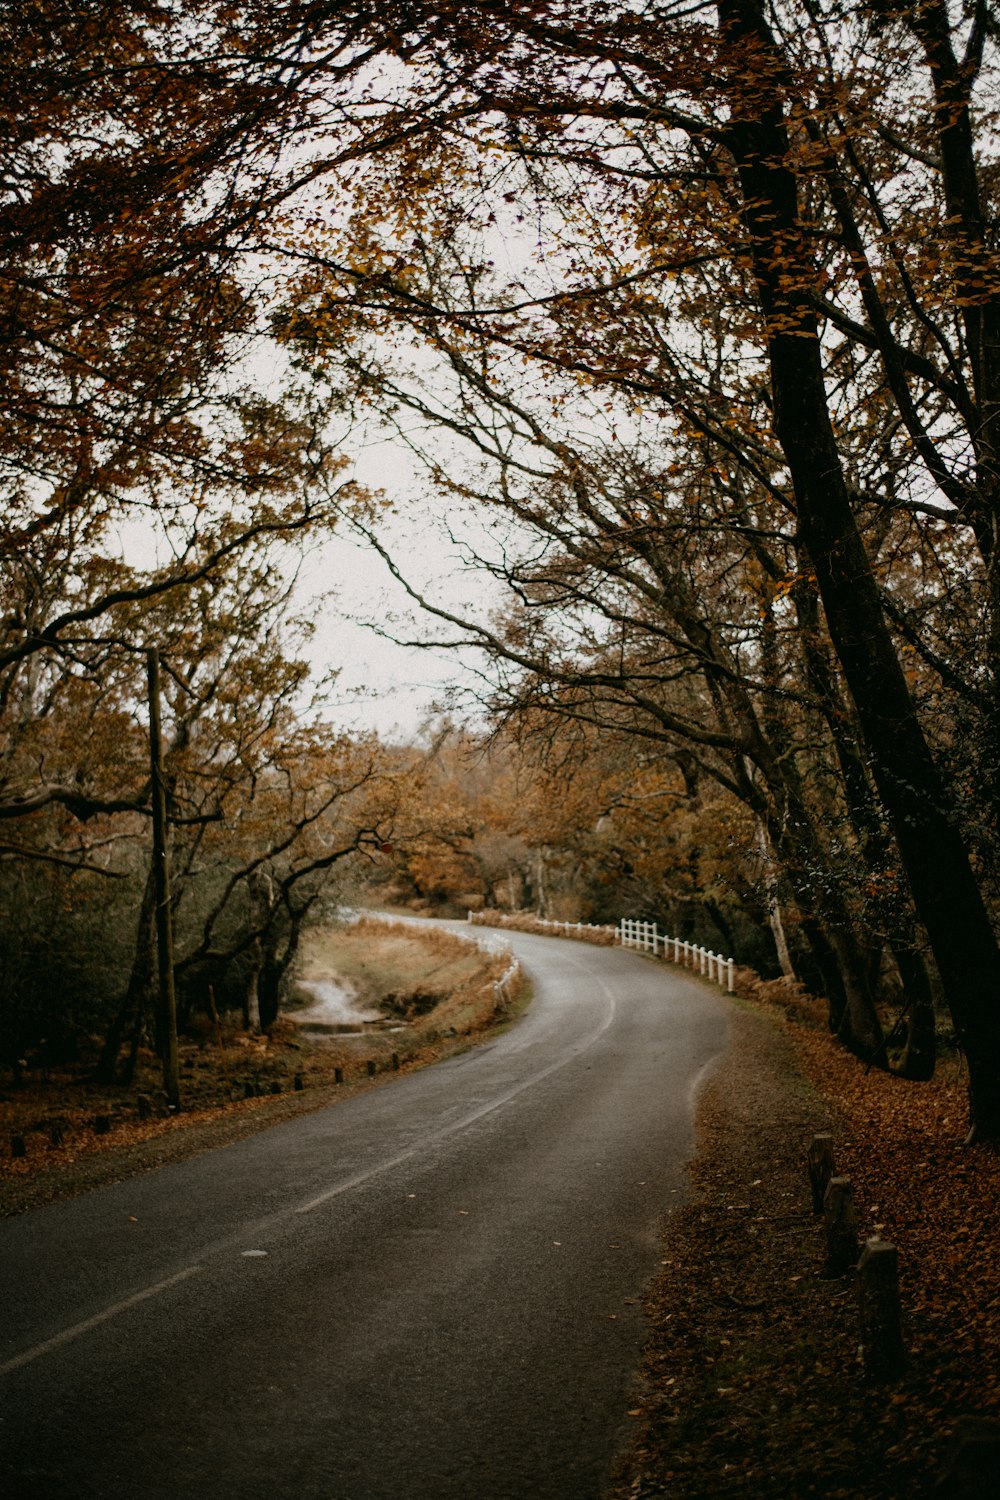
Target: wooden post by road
[
  {"x": 882, "y": 1347},
  {"x": 821, "y": 1168},
  {"x": 161, "y": 874},
  {"x": 841, "y": 1227}
]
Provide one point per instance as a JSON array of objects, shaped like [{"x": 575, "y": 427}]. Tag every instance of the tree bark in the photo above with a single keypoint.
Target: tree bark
[
  {"x": 259, "y": 898},
  {"x": 128, "y": 1021},
  {"x": 934, "y": 856},
  {"x": 773, "y": 904},
  {"x": 167, "y": 1015},
  {"x": 919, "y": 1054}
]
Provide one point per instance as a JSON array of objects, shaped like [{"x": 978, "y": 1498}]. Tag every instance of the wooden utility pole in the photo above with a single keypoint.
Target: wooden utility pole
[{"x": 161, "y": 872}]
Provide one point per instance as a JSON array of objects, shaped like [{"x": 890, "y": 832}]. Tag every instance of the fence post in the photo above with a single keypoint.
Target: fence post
[
  {"x": 821, "y": 1167},
  {"x": 841, "y": 1227},
  {"x": 882, "y": 1347},
  {"x": 631, "y": 932}
]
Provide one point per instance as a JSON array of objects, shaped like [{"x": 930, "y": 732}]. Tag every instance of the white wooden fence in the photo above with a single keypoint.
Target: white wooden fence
[
  {"x": 630, "y": 934},
  {"x": 646, "y": 937}
]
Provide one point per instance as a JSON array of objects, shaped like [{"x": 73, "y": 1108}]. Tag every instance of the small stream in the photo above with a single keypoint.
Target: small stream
[{"x": 335, "y": 1008}]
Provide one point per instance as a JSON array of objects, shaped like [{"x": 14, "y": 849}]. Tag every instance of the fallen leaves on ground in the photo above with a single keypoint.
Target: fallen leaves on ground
[{"x": 753, "y": 1384}]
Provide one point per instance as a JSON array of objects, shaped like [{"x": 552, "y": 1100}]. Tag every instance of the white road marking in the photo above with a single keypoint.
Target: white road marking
[
  {"x": 694, "y": 1087},
  {"x": 434, "y": 1136},
  {"x": 69, "y": 1334}
]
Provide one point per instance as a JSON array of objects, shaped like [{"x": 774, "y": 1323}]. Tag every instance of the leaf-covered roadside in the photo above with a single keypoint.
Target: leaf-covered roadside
[{"x": 753, "y": 1385}]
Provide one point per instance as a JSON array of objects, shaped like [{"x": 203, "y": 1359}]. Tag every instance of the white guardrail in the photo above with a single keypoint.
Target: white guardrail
[{"x": 644, "y": 936}]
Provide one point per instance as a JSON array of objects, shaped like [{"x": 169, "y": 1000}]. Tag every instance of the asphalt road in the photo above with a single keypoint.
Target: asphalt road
[{"x": 428, "y": 1292}]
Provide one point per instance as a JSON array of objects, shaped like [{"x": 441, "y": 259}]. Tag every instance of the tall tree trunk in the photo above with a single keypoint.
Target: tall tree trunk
[
  {"x": 873, "y": 839},
  {"x": 541, "y": 894},
  {"x": 790, "y": 827},
  {"x": 159, "y": 790},
  {"x": 919, "y": 1054},
  {"x": 279, "y": 959},
  {"x": 934, "y": 856},
  {"x": 138, "y": 992},
  {"x": 773, "y": 904},
  {"x": 260, "y": 895},
  {"x": 251, "y": 991}
]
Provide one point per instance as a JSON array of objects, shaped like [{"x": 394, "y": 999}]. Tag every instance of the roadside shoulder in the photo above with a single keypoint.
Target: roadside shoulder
[
  {"x": 753, "y": 1382},
  {"x": 744, "y": 1339}
]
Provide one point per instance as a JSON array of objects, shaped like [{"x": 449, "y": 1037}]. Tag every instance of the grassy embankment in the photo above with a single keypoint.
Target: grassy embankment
[{"x": 436, "y": 995}]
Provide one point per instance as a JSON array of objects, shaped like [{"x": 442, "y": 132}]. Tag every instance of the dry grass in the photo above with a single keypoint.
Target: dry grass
[
  {"x": 445, "y": 979},
  {"x": 525, "y": 921},
  {"x": 233, "y": 1084}
]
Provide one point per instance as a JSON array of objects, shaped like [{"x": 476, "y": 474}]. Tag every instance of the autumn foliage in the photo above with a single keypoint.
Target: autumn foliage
[{"x": 689, "y": 315}]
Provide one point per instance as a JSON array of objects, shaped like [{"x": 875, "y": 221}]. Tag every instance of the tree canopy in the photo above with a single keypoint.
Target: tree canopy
[
  {"x": 695, "y": 309},
  {"x": 712, "y": 294}
]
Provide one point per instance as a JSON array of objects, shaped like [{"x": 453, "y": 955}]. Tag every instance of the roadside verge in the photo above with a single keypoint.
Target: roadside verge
[
  {"x": 61, "y": 1133},
  {"x": 752, "y": 1380}
]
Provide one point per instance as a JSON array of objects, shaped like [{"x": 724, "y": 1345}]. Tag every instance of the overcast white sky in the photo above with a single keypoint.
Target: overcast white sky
[{"x": 383, "y": 686}]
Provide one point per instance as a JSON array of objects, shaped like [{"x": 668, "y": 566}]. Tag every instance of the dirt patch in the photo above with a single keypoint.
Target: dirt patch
[{"x": 753, "y": 1382}]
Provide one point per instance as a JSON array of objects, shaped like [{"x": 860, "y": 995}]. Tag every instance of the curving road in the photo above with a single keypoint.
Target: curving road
[{"x": 428, "y": 1292}]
